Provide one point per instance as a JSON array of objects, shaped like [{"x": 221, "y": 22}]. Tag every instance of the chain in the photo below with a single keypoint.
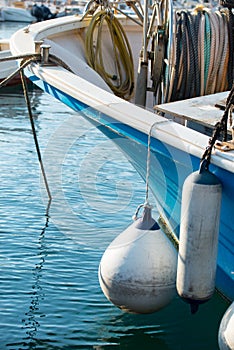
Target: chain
[{"x": 220, "y": 128}]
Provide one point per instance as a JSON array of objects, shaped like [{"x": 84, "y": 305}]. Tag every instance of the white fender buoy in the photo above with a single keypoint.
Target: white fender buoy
[
  {"x": 198, "y": 242},
  {"x": 137, "y": 272},
  {"x": 226, "y": 330}
]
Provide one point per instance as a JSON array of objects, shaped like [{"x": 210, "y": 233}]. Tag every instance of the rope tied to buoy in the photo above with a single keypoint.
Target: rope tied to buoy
[
  {"x": 146, "y": 203},
  {"x": 220, "y": 130},
  {"x": 171, "y": 235}
]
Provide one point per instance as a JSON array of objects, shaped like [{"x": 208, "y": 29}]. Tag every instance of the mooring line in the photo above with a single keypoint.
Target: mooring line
[
  {"x": 19, "y": 57},
  {"x": 26, "y": 60},
  {"x": 17, "y": 71},
  {"x": 26, "y": 96}
]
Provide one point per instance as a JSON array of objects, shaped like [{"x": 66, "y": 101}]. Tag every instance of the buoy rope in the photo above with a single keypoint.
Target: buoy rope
[
  {"x": 148, "y": 164},
  {"x": 220, "y": 129},
  {"x": 121, "y": 81},
  {"x": 146, "y": 203},
  {"x": 173, "y": 238}
]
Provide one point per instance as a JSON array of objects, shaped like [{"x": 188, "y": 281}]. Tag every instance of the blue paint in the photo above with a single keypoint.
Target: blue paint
[{"x": 166, "y": 184}]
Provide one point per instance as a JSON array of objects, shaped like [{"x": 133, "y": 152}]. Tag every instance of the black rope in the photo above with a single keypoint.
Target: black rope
[
  {"x": 26, "y": 96},
  {"x": 231, "y": 56},
  {"x": 182, "y": 91},
  {"x": 177, "y": 59},
  {"x": 26, "y": 60},
  {"x": 193, "y": 70},
  {"x": 186, "y": 76}
]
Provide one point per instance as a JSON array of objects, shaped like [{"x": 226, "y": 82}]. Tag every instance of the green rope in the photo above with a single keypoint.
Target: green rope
[{"x": 207, "y": 47}]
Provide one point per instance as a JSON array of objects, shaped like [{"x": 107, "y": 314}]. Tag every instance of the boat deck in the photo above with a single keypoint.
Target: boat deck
[{"x": 199, "y": 113}]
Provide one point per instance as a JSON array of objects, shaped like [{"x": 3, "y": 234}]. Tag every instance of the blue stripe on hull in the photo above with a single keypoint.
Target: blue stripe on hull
[{"x": 169, "y": 168}]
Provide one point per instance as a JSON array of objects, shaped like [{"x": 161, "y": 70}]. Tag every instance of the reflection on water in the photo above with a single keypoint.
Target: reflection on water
[{"x": 31, "y": 321}]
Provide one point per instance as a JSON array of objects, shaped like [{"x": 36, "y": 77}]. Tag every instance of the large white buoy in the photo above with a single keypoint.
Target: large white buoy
[
  {"x": 226, "y": 330},
  {"x": 198, "y": 244},
  {"x": 137, "y": 272}
]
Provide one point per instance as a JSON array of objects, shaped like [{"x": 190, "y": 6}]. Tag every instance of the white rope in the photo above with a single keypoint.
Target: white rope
[
  {"x": 146, "y": 204},
  {"x": 148, "y": 165}
]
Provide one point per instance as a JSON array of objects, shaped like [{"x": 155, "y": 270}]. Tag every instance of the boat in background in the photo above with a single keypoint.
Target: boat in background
[
  {"x": 26, "y": 12},
  {"x": 8, "y": 67},
  {"x": 118, "y": 99},
  {"x": 16, "y": 11}
]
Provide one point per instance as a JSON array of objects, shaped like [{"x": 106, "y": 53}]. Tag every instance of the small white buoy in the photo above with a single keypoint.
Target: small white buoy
[
  {"x": 137, "y": 272},
  {"x": 226, "y": 330},
  {"x": 198, "y": 244}
]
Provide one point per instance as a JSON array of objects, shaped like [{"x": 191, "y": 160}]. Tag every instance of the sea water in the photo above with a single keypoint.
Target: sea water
[{"x": 50, "y": 296}]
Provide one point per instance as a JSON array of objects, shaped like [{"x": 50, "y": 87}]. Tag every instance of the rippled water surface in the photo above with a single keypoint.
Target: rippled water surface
[{"x": 49, "y": 292}]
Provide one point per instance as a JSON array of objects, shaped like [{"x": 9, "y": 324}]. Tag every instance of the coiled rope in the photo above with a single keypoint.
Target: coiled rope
[
  {"x": 121, "y": 81},
  {"x": 200, "y": 59}
]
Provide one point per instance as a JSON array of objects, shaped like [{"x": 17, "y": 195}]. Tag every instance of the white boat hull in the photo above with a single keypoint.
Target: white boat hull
[{"x": 176, "y": 150}]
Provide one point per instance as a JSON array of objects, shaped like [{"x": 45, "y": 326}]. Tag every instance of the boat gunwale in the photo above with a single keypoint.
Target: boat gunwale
[{"x": 94, "y": 96}]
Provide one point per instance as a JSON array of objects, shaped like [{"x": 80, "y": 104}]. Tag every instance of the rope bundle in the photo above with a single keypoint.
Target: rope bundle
[
  {"x": 120, "y": 74},
  {"x": 200, "y": 57}
]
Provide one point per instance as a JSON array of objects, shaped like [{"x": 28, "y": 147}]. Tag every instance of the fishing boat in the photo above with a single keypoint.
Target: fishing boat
[
  {"x": 120, "y": 72},
  {"x": 16, "y": 14},
  {"x": 20, "y": 11},
  {"x": 7, "y": 67}
]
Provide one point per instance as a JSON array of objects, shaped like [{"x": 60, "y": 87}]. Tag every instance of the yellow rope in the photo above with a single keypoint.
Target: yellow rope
[{"x": 121, "y": 81}]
